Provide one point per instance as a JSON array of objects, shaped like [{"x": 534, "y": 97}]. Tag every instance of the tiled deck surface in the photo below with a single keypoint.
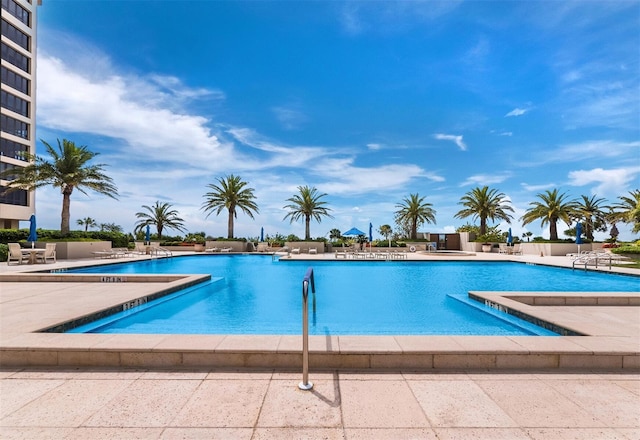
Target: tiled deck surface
[{"x": 475, "y": 387}]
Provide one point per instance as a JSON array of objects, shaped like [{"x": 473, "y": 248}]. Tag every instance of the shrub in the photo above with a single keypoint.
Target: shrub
[{"x": 4, "y": 252}]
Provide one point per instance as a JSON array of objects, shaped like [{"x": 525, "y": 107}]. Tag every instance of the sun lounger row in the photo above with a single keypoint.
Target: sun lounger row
[
  {"x": 371, "y": 255},
  {"x": 215, "y": 249}
]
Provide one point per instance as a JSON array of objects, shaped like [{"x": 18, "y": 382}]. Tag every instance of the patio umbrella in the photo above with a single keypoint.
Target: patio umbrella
[
  {"x": 33, "y": 235},
  {"x": 509, "y": 238},
  {"x": 578, "y": 235},
  {"x": 147, "y": 235},
  {"x": 353, "y": 231},
  {"x": 370, "y": 235},
  {"x": 262, "y": 234}
]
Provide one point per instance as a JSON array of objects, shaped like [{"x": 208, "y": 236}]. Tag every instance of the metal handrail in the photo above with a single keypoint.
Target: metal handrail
[{"x": 308, "y": 279}]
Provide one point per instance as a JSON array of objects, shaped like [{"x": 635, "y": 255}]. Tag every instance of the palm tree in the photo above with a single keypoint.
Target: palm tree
[
  {"x": 230, "y": 193},
  {"x": 306, "y": 205},
  {"x": 335, "y": 234},
  {"x": 552, "y": 207},
  {"x": 386, "y": 232},
  {"x": 414, "y": 212},
  {"x": 628, "y": 210},
  {"x": 590, "y": 212},
  {"x": 485, "y": 204},
  {"x": 161, "y": 215},
  {"x": 68, "y": 169},
  {"x": 110, "y": 227},
  {"x": 87, "y": 222}
]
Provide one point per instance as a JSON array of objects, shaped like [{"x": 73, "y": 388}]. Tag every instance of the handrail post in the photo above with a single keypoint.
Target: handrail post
[{"x": 308, "y": 279}]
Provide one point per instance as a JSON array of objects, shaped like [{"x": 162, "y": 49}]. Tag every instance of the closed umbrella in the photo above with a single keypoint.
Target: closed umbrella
[
  {"x": 509, "y": 238},
  {"x": 33, "y": 235},
  {"x": 578, "y": 235},
  {"x": 147, "y": 235},
  {"x": 261, "y": 234},
  {"x": 370, "y": 236}
]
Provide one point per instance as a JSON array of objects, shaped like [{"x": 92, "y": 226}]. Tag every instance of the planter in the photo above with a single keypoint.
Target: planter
[
  {"x": 487, "y": 247},
  {"x": 198, "y": 247}
]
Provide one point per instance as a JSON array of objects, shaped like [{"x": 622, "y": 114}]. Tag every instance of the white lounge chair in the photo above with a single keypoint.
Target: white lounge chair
[
  {"x": 295, "y": 250},
  {"x": 313, "y": 251},
  {"x": 15, "y": 254},
  {"x": 48, "y": 254},
  {"x": 227, "y": 249}
]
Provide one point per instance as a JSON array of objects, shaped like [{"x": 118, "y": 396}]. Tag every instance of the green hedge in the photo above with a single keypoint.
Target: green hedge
[
  {"x": 4, "y": 252},
  {"x": 117, "y": 239}
]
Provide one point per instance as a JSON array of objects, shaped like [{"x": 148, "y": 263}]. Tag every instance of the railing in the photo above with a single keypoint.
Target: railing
[
  {"x": 595, "y": 257},
  {"x": 308, "y": 279}
]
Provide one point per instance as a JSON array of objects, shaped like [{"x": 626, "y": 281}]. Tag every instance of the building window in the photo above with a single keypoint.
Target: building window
[
  {"x": 13, "y": 80},
  {"x": 14, "y": 34},
  {"x": 14, "y": 127},
  {"x": 13, "y": 150},
  {"x": 17, "y": 11},
  {"x": 14, "y": 57},
  {"x": 16, "y": 197},
  {"x": 13, "y": 103}
]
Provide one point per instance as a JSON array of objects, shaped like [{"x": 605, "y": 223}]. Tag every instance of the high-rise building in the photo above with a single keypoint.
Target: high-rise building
[{"x": 17, "y": 112}]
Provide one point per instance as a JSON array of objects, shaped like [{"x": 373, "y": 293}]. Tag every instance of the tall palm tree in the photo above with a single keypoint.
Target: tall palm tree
[
  {"x": 590, "y": 212},
  {"x": 552, "y": 207},
  {"x": 628, "y": 210},
  {"x": 230, "y": 193},
  {"x": 162, "y": 216},
  {"x": 335, "y": 234},
  {"x": 306, "y": 205},
  {"x": 414, "y": 212},
  {"x": 87, "y": 222},
  {"x": 68, "y": 169},
  {"x": 486, "y": 204}
]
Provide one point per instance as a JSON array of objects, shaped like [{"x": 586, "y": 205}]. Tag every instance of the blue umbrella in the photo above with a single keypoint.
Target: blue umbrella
[
  {"x": 578, "y": 235},
  {"x": 370, "y": 233},
  {"x": 33, "y": 235},
  {"x": 261, "y": 234},
  {"x": 353, "y": 231},
  {"x": 147, "y": 235},
  {"x": 509, "y": 237}
]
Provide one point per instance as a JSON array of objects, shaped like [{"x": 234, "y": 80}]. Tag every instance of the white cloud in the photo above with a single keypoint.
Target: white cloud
[
  {"x": 374, "y": 147},
  {"x": 516, "y": 112},
  {"x": 451, "y": 137},
  {"x": 485, "y": 179},
  {"x": 611, "y": 182},
  {"x": 541, "y": 187}
]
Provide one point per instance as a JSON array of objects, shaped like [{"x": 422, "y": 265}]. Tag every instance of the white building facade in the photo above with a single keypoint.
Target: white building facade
[{"x": 18, "y": 104}]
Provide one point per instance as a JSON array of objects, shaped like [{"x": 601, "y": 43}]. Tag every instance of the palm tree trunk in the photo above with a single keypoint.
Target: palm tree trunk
[
  {"x": 553, "y": 230},
  {"x": 230, "y": 224},
  {"x": 66, "y": 203},
  {"x": 483, "y": 226},
  {"x": 307, "y": 227}
]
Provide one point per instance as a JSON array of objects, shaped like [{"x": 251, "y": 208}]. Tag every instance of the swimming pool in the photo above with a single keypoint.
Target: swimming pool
[{"x": 252, "y": 294}]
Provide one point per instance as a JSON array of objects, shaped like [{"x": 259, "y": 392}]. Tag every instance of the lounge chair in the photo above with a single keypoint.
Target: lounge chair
[
  {"x": 15, "y": 254},
  {"x": 295, "y": 250},
  {"x": 48, "y": 254},
  {"x": 213, "y": 249},
  {"x": 227, "y": 249},
  {"x": 313, "y": 251},
  {"x": 516, "y": 249}
]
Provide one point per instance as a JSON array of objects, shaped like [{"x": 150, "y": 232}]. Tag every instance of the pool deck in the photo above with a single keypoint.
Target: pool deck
[{"x": 229, "y": 386}]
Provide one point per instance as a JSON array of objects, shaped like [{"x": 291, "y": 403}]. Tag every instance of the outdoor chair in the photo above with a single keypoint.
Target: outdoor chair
[
  {"x": 48, "y": 254},
  {"x": 313, "y": 251},
  {"x": 15, "y": 254}
]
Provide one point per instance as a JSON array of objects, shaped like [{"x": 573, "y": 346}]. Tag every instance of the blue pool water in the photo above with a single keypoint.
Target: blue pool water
[{"x": 254, "y": 295}]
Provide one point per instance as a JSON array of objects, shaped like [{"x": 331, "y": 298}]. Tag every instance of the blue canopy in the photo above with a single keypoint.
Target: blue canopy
[
  {"x": 33, "y": 235},
  {"x": 578, "y": 233},
  {"x": 147, "y": 234},
  {"x": 353, "y": 231},
  {"x": 509, "y": 237}
]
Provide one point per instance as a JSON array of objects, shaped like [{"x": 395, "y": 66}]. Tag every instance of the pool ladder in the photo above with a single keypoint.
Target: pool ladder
[{"x": 306, "y": 281}]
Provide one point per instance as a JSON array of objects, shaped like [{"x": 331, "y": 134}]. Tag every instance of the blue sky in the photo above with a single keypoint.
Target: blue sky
[{"x": 367, "y": 101}]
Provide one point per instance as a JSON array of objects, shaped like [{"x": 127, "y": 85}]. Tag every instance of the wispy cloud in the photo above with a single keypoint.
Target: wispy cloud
[
  {"x": 290, "y": 116},
  {"x": 590, "y": 149},
  {"x": 452, "y": 137},
  {"x": 485, "y": 179},
  {"x": 540, "y": 187},
  {"x": 516, "y": 112},
  {"x": 608, "y": 182}
]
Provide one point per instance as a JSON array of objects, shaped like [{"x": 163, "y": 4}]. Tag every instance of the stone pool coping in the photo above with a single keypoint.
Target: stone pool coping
[{"x": 39, "y": 301}]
